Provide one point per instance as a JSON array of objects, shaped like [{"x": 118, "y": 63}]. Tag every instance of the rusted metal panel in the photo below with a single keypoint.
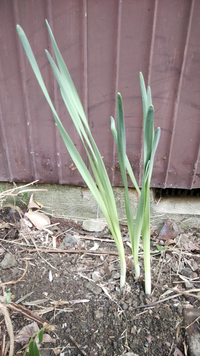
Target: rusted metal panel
[
  {"x": 101, "y": 74},
  {"x": 104, "y": 44},
  {"x": 169, "y": 38},
  {"x": 135, "y": 29},
  {"x": 183, "y": 166},
  {"x": 50, "y": 160}
]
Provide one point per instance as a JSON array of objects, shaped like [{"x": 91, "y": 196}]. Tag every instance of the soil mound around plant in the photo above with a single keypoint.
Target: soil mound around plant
[{"x": 71, "y": 280}]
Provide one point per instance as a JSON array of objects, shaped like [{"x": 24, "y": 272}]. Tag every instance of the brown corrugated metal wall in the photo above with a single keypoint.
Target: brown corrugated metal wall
[{"x": 104, "y": 44}]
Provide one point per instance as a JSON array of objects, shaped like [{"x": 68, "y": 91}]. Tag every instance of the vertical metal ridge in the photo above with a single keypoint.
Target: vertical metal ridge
[
  {"x": 116, "y": 78},
  {"x": 195, "y": 169},
  {"x": 152, "y": 42},
  {"x": 176, "y": 104},
  {"x": 198, "y": 155},
  {"x": 5, "y": 142},
  {"x": 85, "y": 57},
  {"x": 5, "y": 145},
  {"x": 84, "y": 65},
  {"x": 55, "y": 96},
  {"x": 20, "y": 55},
  {"x": 148, "y": 80}
]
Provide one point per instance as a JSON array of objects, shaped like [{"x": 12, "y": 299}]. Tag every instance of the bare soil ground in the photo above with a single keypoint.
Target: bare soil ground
[{"x": 75, "y": 287}]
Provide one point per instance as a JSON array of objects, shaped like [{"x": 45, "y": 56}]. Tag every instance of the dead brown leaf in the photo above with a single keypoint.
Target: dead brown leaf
[
  {"x": 27, "y": 332},
  {"x": 190, "y": 246},
  {"x": 152, "y": 230},
  {"x": 33, "y": 204},
  {"x": 170, "y": 242},
  {"x": 38, "y": 219},
  {"x": 167, "y": 232},
  {"x": 106, "y": 268},
  {"x": 177, "y": 352},
  {"x": 4, "y": 225},
  {"x": 57, "y": 350}
]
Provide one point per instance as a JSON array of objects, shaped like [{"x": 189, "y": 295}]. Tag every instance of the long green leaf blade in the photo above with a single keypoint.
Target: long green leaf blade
[
  {"x": 66, "y": 75},
  {"x": 148, "y": 134},
  {"x": 102, "y": 193},
  {"x": 149, "y": 100},
  {"x": 41, "y": 335},
  {"x": 144, "y": 97},
  {"x": 121, "y": 145},
  {"x": 154, "y": 148},
  {"x": 128, "y": 165},
  {"x": 33, "y": 350}
]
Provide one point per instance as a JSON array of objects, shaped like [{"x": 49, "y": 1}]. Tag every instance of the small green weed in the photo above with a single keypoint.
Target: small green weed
[{"x": 37, "y": 337}]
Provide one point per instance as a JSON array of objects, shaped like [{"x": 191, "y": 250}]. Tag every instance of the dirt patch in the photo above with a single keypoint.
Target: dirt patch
[{"x": 77, "y": 290}]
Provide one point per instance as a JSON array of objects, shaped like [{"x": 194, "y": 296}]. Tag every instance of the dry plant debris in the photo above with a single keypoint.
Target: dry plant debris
[
  {"x": 72, "y": 277},
  {"x": 23, "y": 336}
]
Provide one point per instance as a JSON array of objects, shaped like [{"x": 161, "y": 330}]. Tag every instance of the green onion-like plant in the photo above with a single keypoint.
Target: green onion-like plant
[
  {"x": 100, "y": 186},
  {"x": 150, "y": 143}
]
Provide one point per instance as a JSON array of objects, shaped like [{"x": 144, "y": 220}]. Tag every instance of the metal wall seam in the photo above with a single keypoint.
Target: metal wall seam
[{"x": 177, "y": 100}]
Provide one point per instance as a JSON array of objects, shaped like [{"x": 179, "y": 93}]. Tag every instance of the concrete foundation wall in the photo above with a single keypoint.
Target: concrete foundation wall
[{"x": 78, "y": 203}]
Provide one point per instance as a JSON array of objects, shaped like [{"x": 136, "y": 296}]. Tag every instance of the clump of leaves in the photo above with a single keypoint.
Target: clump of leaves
[
  {"x": 150, "y": 143},
  {"x": 98, "y": 182},
  {"x": 100, "y": 185}
]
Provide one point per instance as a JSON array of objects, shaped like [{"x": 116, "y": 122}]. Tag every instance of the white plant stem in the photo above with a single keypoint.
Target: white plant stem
[
  {"x": 123, "y": 275},
  {"x": 137, "y": 271},
  {"x": 148, "y": 283}
]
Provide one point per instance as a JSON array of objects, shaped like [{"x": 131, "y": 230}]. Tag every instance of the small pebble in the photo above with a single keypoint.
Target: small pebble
[
  {"x": 115, "y": 345},
  {"x": 188, "y": 285},
  {"x": 115, "y": 275},
  {"x": 93, "y": 288},
  {"x": 70, "y": 240},
  {"x": 94, "y": 225},
  {"x": 98, "y": 314},
  {"x": 187, "y": 272},
  {"x": 8, "y": 261},
  {"x": 125, "y": 306}
]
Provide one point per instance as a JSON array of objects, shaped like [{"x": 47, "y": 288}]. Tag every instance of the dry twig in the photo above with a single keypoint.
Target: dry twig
[
  {"x": 8, "y": 322},
  {"x": 18, "y": 280},
  {"x": 77, "y": 345},
  {"x": 193, "y": 322},
  {"x": 189, "y": 293}
]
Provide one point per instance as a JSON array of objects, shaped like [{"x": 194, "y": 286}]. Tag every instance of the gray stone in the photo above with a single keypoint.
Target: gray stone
[
  {"x": 193, "y": 334},
  {"x": 115, "y": 346},
  {"x": 70, "y": 240},
  {"x": 98, "y": 314},
  {"x": 177, "y": 266},
  {"x": 45, "y": 353},
  {"x": 94, "y": 225},
  {"x": 188, "y": 285},
  {"x": 188, "y": 273},
  {"x": 93, "y": 288},
  {"x": 96, "y": 276},
  {"x": 193, "y": 264},
  {"x": 115, "y": 275},
  {"x": 8, "y": 261},
  {"x": 125, "y": 306}
]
